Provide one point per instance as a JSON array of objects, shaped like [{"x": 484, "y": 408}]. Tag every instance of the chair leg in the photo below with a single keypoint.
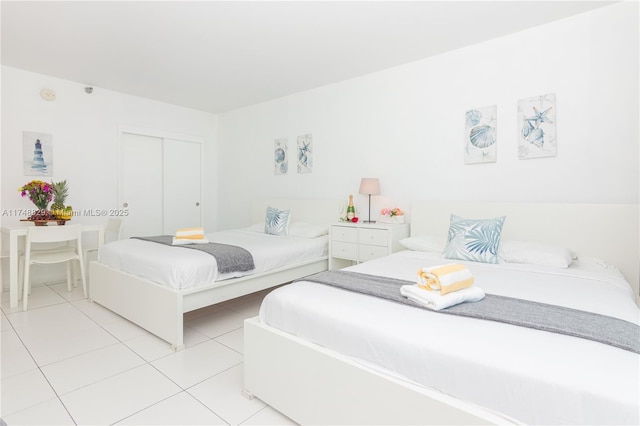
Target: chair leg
[
  {"x": 82, "y": 277},
  {"x": 70, "y": 276},
  {"x": 25, "y": 287},
  {"x": 20, "y": 275}
]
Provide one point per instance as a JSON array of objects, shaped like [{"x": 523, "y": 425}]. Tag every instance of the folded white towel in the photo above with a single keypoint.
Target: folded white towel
[
  {"x": 435, "y": 301},
  {"x": 184, "y": 241}
]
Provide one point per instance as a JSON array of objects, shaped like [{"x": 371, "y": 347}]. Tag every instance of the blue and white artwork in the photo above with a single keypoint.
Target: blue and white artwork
[
  {"x": 281, "y": 157},
  {"x": 537, "y": 127},
  {"x": 37, "y": 154},
  {"x": 480, "y": 135},
  {"x": 305, "y": 154}
]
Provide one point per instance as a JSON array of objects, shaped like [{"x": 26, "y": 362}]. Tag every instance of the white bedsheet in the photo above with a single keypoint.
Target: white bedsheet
[
  {"x": 534, "y": 376},
  {"x": 182, "y": 268}
]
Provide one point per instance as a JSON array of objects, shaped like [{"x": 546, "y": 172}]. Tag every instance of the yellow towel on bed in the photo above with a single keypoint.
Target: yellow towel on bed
[
  {"x": 445, "y": 278},
  {"x": 189, "y": 236}
]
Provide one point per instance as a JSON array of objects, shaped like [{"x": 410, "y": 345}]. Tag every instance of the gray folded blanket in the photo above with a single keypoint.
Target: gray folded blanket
[
  {"x": 228, "y": 257},
  {"x": 525, "y": 313}
]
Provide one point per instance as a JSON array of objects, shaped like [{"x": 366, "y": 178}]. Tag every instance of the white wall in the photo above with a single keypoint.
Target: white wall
[
  {"x": 85, "y": 138},
  {"x": 405, "y": 125}
]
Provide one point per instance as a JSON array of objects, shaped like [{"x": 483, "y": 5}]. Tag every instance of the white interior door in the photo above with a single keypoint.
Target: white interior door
[
  {"x": 141, "y": 184},
  {"x": 182, "y": 192}
]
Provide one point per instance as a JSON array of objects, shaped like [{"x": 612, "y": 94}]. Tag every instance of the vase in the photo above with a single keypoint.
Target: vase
[{"x": 41, "y": 205}]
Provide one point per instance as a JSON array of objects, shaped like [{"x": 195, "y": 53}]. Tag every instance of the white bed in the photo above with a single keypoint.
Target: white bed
[
  {"x": 153, "y": 285},
  {"x": 326, "y": 356}
]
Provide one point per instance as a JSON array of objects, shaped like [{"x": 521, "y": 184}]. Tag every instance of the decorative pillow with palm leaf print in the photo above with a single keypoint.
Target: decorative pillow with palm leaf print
[
  {"x": 474, "y": 240},
  {"x": 277, "y": 221}
]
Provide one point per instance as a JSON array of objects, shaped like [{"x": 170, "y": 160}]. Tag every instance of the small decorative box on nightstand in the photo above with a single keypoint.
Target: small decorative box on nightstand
[{"x": 351, "y": 243}]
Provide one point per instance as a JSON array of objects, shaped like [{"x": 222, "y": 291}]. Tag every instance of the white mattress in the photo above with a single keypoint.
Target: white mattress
[
  {"x": 533, "y": 376},
  {"x": 183, "y": 268}
]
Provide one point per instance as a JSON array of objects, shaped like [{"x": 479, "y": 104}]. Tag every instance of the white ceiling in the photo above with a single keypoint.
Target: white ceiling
[{"x": 217, "y": 56}]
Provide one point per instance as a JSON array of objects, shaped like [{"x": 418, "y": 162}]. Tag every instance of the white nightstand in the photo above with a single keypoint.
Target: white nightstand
[{"x": 351, "y": 243}]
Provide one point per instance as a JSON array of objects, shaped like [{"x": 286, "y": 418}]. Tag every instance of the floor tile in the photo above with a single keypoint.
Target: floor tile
[
  {"x": 223, "y": 395},
  {"x": 90, "y": 367},
  {"x": 180, "y": 409},
  {"x": 113, "y": 399},
  {"x": 68, "y": 360},
  {"x": 233, "y": 339},
  {"x": 268, "y": 416},
  {"x": 51, "y": 348},
  {"x": 96, "y": 312},
  {"x": 24, "y": 390},
  {"x": 50, "y": 413},
  {"x": 149, "y": 347},
  {"x": 42, "y": 296},
  {"x": 15, "y": 357},
  {"x": 198, "y": 363}
]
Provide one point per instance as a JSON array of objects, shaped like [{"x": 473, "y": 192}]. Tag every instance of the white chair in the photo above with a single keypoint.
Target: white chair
[
  {"x": 53, "y": 234},
  {"x": 111, "y": 233}
]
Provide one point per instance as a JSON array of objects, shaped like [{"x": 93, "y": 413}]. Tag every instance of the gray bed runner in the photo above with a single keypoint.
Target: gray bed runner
[
  {"x": 229, "y": 258},
  {"x": 540, "y": 316}
]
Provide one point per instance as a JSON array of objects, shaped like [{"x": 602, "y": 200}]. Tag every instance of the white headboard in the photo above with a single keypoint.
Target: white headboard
[
  {"x": 310, "y": 211},
  {"x": 606, "y": 231}
]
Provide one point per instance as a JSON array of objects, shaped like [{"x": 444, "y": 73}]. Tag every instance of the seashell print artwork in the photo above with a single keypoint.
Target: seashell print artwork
[
  {"x": 480, "y": 135},
  {"x": 281, "y": 158},
  {"x": 536, "y": 121},
  {"x": 305, "y": 154}
]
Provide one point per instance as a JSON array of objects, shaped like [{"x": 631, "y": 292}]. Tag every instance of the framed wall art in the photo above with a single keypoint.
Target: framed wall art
[
  {"x": 37, "y": 154},
  {"x": 305, "y": 154},
  {"x": 537, "y": 127},
  {"x": 281, "y": 156},
  {"x": 480, "y": 135}
]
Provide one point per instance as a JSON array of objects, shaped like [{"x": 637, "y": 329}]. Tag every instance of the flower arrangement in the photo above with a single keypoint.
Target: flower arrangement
[
  {"x": 391, "y": 212},
  {"x": 395, "y": 215},
  {"x": 39, "y": 192}
]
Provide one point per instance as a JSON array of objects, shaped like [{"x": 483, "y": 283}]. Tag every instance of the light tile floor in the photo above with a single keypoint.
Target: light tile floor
[{"x": 68, "y": 361}]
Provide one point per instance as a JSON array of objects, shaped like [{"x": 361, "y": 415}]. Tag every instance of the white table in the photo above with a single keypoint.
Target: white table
[{"x": 18, "y": 231}]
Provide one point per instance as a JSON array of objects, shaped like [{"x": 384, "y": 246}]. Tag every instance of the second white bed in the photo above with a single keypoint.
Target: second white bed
[
  {"x": 533, "y": 376},
  {"x": 183, "y": 268}
]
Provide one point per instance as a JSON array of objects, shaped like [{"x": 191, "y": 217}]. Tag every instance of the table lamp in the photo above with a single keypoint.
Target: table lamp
[{"x": 370, "y": 186}]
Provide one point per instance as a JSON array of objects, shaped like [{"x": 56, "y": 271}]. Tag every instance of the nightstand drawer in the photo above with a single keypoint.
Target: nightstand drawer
[
  {"x": 344, "y": 233},
  {"x": 344, "y": 250},
  {"x": 367, "y": 252},
  {"x": 374, "y": 237}
]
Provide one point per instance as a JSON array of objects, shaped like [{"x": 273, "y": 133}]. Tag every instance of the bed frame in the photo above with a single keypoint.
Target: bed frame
[
  {"x": 314, "y": 385},
  {"x": 159, "y": 309}
]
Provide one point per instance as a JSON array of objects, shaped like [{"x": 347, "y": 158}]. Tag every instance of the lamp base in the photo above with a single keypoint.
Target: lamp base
[{"x": 368, "y": 221}]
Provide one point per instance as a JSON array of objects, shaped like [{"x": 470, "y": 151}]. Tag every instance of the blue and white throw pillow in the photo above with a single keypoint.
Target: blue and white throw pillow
[
  {"x": 474, "y": 240},
  {"x": 277, "y": 221}
]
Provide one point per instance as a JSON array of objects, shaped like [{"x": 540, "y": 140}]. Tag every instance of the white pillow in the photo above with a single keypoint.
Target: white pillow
[
  {"x": 425, "y": 243},
  {"x": 307, "y": 230},
  {"x": 535, "y": 253}
]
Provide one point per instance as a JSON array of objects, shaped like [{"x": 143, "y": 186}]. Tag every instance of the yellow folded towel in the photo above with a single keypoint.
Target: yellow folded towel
[
  {"x": 189, "y": 236},
  {"x": 445, "y": 278}
]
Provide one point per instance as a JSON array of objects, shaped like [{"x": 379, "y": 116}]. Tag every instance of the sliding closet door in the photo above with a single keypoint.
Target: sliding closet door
[
  {"x": 141, "y": 179},
  {"x": 181, "y": 185},
  {"x": 160, "y": 184}
]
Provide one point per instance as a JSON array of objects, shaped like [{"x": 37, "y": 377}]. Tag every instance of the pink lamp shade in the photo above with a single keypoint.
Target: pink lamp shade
[{"x": 370, "y": 186}]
